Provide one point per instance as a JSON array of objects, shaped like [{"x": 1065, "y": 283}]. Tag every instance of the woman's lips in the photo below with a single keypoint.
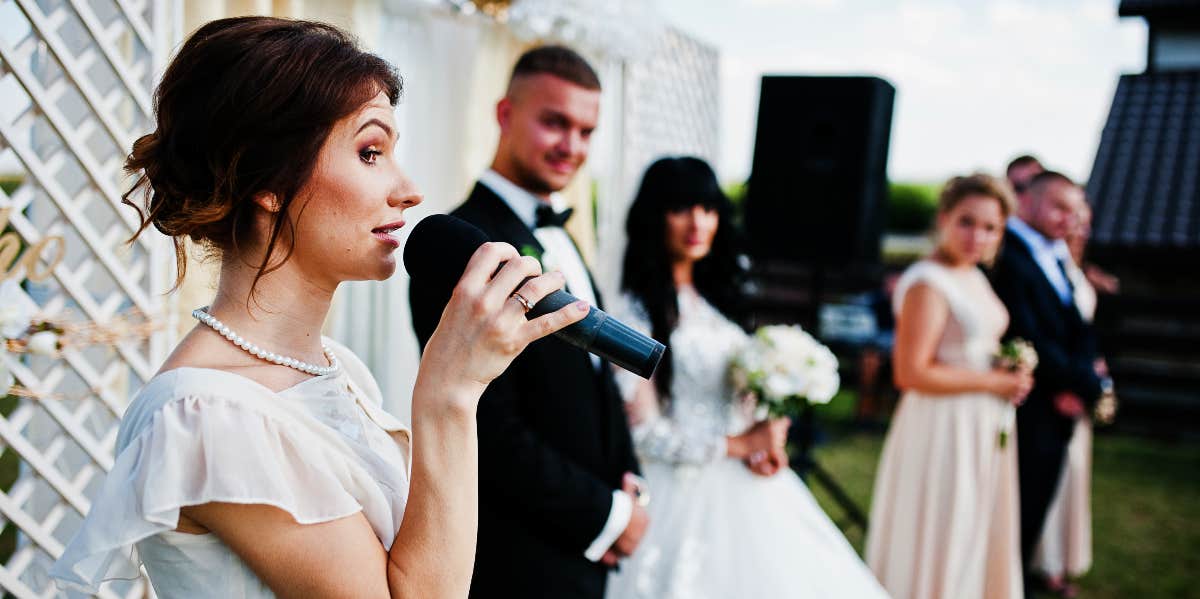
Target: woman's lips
[{"x": 384, "y": 233}]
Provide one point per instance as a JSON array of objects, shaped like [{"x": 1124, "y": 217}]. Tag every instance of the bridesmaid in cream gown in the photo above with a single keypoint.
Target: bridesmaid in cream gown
[{"x": 944, "y": 518}]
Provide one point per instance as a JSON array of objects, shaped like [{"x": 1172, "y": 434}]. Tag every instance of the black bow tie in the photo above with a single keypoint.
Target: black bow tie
[{"x": 547, "y": 217}]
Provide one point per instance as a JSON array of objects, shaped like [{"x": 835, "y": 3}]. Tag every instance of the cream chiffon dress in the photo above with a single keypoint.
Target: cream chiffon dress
[
  {"x": 321, "y": 450},
  {"x": 945, "y": 513}
]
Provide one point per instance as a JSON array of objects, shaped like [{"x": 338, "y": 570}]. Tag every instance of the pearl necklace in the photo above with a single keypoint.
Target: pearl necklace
[{"x": 203, "y": 316}]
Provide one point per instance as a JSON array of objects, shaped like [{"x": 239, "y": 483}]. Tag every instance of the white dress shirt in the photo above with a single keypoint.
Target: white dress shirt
[
  {"x": 559, "y": 253},
  {"x": 1048, "y": 254}
]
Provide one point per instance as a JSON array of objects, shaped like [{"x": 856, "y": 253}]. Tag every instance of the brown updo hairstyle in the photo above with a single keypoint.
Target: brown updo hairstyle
[
  {"x": 960, "y": 188},
  {"x": 244, "y": 109}
]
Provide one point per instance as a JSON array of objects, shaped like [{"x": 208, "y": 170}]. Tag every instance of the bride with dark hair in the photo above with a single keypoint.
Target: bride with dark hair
[{"x": 729, "y": 518}]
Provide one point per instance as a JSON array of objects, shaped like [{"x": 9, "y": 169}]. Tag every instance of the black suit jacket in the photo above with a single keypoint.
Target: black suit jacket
[
  {"x": 553, "y": 445},
  {"x": 1065, "y": 343}
]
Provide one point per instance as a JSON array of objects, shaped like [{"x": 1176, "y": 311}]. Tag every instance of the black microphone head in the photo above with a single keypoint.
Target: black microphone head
[{"x": 439, "y": 248}]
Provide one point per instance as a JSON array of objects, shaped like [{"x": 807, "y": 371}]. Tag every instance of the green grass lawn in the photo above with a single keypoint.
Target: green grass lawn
[{"x": 1145, "y": 505}]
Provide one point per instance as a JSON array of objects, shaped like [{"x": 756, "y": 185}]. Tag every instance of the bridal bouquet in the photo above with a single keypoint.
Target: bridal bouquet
[
  {"x": 1013, "y": 355},
  {"x": 1106, "y": 407},
  {"x": 785, "y": 367},
  {"x": 1016, "y": 354}
]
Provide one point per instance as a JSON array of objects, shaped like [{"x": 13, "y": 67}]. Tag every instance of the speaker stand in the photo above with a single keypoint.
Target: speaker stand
[{"x": 807, "y": 464}]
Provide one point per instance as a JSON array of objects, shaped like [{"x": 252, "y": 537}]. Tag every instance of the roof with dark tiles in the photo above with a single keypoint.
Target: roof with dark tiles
[
  {"x": 1159, "y": 8},
  {"x": 1145, "y": 182}
]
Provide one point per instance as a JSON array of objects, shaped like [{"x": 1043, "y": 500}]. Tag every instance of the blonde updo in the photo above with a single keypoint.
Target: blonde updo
[{"x": 979, "y": 184}]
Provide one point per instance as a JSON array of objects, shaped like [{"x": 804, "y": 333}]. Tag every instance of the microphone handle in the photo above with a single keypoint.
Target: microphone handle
[
  {"x": 604, "y": 336},
  {"x": 580, "y": 334}
]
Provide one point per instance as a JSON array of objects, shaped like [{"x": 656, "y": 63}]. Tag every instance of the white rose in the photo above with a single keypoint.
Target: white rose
[
  {"x": 825, "y": 359},
  {"x": 823, "y": 387},
  {"x": 752, "y": 359},
  {"x": 761, "y": 412},
  {"x": 14, "y": 313},
  {"x": 10, "y": 322},
  {"x": 44, "y": 343},
  {"x": 777, "y": 387},
  {"x": 799, "y": 380}
]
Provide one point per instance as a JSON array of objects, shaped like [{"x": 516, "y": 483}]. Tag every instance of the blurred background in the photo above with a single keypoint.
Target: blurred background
[{"x": 837, "y": 118}]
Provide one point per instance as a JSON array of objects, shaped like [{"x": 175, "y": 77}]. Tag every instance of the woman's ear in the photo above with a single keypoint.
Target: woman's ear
[{"x": 268, "y": 201}]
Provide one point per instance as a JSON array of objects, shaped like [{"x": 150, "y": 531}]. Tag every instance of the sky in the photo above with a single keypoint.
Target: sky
[{"x": 977, "y": 81}]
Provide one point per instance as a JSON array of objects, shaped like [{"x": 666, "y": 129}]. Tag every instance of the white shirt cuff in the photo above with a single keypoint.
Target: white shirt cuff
[{"x": 618, "y": 519}]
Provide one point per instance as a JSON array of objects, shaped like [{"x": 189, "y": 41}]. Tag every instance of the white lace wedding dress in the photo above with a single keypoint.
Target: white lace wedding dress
[{"x": 716, "y": 529}]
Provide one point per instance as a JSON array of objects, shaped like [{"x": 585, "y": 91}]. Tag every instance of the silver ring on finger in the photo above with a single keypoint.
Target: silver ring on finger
[{"x": 525, "y": 303}]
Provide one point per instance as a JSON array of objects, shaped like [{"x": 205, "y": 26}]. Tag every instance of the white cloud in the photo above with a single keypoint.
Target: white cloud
[
  {"x": 1012, "y": 12},
  {"x": 923, "y": 23}
]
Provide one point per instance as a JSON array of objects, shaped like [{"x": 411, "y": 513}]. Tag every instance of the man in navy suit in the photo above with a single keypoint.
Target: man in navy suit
[
  {"x": 557, "y": 498},
  {"x": 1030, "y": 278}
]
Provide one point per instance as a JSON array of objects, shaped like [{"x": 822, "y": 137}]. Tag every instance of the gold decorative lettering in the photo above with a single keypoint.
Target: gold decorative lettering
[
  {"x": 10, "y": 248},
  {"x": 38, "y": 250}
]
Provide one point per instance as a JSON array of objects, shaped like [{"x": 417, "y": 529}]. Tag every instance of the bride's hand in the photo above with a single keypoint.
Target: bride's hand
[
  {"x": 767, "y": 463},
  {"x": 483, "y": 327},
  {"x": 761, "y": 447}
]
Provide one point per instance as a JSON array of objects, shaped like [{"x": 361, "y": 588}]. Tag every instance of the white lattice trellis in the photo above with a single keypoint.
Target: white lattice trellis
[
  {"x": 668, "y": 105},
  {"x": 75, "y": 90}
]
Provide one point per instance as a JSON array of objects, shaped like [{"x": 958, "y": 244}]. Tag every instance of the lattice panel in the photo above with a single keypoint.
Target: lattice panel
[
  {"x": 76, "y": 78},
  {"x": 670, "y": 107},
  {"x": 672, "y": 103}
]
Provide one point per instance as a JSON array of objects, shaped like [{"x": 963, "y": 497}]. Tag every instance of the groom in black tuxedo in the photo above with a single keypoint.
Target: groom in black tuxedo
[
  {"x": 1030, "y": 277},
  {"x": 557, "y": 499}
]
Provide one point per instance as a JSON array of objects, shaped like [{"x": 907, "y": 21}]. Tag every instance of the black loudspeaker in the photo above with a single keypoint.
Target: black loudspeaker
[{"x": 818, "y": 184}]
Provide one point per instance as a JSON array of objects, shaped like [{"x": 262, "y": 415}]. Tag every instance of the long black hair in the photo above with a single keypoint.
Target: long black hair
[{"x": 674, "y": 184}]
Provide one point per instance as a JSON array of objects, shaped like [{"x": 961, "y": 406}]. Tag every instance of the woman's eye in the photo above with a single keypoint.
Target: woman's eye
[{"x": 369, "y": 155}]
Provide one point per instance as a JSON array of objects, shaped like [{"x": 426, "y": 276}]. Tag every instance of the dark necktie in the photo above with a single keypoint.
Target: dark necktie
[
  {"x": 547, "y": 217},
  {"x": 1062, "y": 267}
]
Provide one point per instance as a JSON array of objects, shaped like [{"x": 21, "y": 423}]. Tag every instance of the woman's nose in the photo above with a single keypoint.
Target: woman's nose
[{"x": 405, "y": 193}]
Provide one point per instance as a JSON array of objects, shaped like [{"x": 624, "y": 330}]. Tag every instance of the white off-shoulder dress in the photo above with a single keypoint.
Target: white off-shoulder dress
[{"x": 321, "y": 450}]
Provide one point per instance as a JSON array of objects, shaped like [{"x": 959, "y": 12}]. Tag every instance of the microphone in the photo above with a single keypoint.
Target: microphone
[{"x": 437, "y": 253}]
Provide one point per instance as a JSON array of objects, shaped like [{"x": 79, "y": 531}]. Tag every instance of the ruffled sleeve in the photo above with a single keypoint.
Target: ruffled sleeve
[{"x": 193, "y": 436}]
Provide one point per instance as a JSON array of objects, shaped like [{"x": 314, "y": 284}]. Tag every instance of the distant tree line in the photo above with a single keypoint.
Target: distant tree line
[{"x": 910, "y": 206}]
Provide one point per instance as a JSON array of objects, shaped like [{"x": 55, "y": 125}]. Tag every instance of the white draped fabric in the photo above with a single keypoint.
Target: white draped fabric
[{"x": 454, "y": 68}]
